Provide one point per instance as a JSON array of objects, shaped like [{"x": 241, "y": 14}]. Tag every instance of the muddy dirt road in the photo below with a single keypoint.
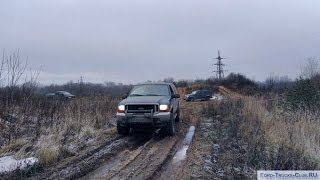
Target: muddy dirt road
[
  {"x": 152, "y": 156},
  {"x": 137, "y": 156}
]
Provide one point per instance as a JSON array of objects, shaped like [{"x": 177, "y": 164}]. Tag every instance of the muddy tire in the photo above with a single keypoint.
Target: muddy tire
[
  {"x": 178, "y": 116},
  {"x": 123, "y": 130},
  {"x": 192, "y": 99},
  {"x": 171, "y": 127}
]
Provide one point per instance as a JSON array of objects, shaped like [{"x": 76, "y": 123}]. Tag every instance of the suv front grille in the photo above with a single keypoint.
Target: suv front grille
[{"x": 142, "y": 108}]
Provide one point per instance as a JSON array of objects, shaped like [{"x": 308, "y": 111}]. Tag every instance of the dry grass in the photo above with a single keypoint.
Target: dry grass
[
  {"x": 299, "y": 128},
  {"x": 80, "y": 120},
  {"x": 14, "y": 146},
  {"x": 289, "y": 140},
  {"x": 57, "y": 129},
  {"x": 269, "y": 137},
  {"x": 48, "y": 155}
]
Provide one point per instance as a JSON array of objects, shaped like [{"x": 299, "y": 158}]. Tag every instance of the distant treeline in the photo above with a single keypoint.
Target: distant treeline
[
  {"x": 87, "y": 89},
  {"x": 235, "y": 81}
]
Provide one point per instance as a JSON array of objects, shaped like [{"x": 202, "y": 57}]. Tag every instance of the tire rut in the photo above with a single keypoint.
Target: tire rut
[
  {"x": 149, "y": 160},
  {"x": 90, "y": 163},
  {"x": 142, "y": 162},
  {"x": 64, "y": 164},
  {"x": 119, "y": 161}
]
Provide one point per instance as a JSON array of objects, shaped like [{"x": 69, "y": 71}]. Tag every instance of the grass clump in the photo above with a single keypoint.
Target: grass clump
[{"x": 48, "y": 156}]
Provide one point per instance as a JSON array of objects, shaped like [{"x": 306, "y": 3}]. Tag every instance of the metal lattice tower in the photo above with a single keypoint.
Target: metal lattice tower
[{"x": 220, "y": 70}]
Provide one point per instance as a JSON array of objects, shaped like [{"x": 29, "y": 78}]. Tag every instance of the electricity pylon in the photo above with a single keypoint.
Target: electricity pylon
[{"x": 220, "y": 70}]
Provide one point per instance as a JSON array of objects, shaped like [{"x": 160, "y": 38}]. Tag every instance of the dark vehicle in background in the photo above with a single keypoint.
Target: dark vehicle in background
[
  {"x": 149, "y": 107},
  {"x": 60, "y": 95},
  {"x": 202, "y": 95}
]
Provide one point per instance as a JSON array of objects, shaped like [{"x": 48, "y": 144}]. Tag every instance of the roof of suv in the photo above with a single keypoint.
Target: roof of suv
[
  {"x": 158, "y": 83},
  {"x": 203, "y": 90},
  {"x": 206, "y": 91}
]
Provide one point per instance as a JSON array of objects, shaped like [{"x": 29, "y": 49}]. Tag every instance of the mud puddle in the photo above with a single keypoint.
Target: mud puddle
[{"x": 180, "y": 156}]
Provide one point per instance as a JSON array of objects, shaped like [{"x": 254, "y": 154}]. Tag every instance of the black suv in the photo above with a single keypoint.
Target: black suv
[
  {"x": 60, "y": 95},
  {"x": 202, "y": 95}
]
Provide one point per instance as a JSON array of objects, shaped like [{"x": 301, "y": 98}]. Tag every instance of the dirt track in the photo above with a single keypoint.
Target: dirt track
[
  {"x": 137, "y": 156},
  {"x": 154, "y": 158}
]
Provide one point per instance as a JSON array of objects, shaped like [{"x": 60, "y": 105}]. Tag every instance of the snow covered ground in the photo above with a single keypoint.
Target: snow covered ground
[
  {"x": 9, "y": 163},
  {"x": 217, "y": 97}
]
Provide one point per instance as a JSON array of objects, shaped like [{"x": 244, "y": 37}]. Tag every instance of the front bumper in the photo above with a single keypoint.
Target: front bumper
[{"x": 159, "y": 119}]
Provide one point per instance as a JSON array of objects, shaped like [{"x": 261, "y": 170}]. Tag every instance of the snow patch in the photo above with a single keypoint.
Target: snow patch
[
  {"x": 218, "y": 97},
  {"x": 9, "y": 163}
]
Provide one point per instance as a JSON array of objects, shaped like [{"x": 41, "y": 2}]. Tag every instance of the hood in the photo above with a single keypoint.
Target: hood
[{"x": 146, "y": 99}]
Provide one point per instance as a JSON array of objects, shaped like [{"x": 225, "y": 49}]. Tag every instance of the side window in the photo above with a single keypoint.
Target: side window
[
  {"x": 171, "y": 90},
  {"x": 175, "y": 90}
]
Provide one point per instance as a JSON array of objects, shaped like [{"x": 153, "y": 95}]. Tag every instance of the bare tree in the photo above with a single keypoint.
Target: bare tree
[
  {"x": 2, "y": 66},
  {"x": 20, "y": 87},
  {"x": 30, "y": 83},
  {"x": 16, "y": 67},
  {"x": 168, "y": 80},
  {"x": 270, "y": 81},
  {"x": 311, "y": 68}
]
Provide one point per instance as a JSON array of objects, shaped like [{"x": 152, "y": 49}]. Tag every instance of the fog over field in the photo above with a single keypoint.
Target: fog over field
[{"x": 134, "y": 41}]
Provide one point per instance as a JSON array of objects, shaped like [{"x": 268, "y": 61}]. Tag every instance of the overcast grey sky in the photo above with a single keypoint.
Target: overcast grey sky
[{"x": 133, "y": 41}]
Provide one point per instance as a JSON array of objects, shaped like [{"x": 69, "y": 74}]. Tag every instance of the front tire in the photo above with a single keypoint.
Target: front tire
[
  {"x": 123, "y": 130},
  {"x": 178, "y": 116},
  {"x": 171, "y": 127}
]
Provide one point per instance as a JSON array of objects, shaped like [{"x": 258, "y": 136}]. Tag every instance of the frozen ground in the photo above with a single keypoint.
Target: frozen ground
[
  {"x": 217, "y": 97},
  {"x": 9, "y": 163}
]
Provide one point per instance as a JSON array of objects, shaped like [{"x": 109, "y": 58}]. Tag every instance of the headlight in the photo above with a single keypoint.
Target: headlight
[
  {"x": 121, "y": 108},
  {"x": 164, "y": 107}
]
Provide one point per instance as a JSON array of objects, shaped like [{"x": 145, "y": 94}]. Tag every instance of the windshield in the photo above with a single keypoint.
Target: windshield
[
  {"x": 63, "y": 92},
  {"x": 150, "y": 90},
  {"x": 194, "y": 92}
]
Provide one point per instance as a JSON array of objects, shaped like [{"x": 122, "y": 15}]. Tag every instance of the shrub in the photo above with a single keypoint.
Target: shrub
[
  {"x": 239, "y": 83},
  {"x": 303, "y": 95}
]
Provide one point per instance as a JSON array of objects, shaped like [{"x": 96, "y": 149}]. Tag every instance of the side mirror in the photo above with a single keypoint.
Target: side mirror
[{"x": 175, "y": 96}]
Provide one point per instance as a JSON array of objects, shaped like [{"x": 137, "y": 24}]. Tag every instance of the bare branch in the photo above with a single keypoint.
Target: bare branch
[
  {"x": 16, "y": 68},
  {"x": 31, "y": 83},
  {"x": 2, "y": 66},
  {"x": 311, "y": 68}
]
